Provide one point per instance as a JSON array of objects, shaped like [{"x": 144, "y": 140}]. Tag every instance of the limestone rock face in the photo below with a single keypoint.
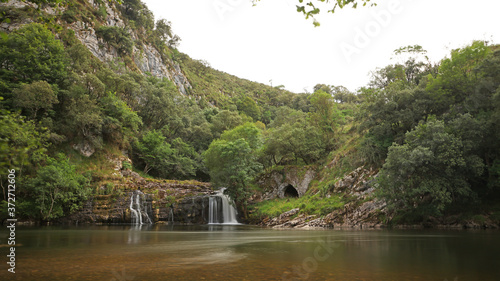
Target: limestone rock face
[
  {"x": 145, "y": 56},
  {"x": 149, "y": 60},
  {"x": 85, "y": 148},
  {"x": 9, "y": 27}
]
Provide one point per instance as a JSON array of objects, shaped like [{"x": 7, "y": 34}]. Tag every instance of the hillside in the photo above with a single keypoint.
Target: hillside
[{"x": 95, "y": 95}]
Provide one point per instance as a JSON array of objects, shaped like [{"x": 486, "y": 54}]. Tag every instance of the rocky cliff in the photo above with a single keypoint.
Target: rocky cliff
[{"x": 147, "y": 59}]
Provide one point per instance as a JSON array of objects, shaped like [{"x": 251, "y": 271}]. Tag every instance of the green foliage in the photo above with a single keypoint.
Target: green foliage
[
  {"x": 457, "y": 77},
  {"x": 81, "y": 60},
  {"x": 170, "y": 200},
  {"x": 308, "y": 204},
  {"x": 412, "y": 68},
  {"x": 70, "y": 15},
  {"x": 137, "y": 12},
  {"x": 164, "y": 159},
  {"x": 154, "y": 151},
  {"x": 232, "y": 162},
  {"x": 34, "y": 97},
  {"x": 429, "y": 171},
  {"x": 120, "y": 121},
  {"x": 83, "y": 117},
  {"x": 126, "y": 165},
  {"x": 326, "y": 117},
  {"x": 248, "y": 131},
  {"x": 117, "y": 37},
  {"x": 434, "y": 126},
  {"x": 162, "y": 36},
  {"x": 289, "y": 143},
  {"x": 31, "y": 53},
  {"x": 101, "y": 12},
  {"x": 222, "y": 90},
  {"x": 57, "y": 189},
  {"x": 248, "y": 106},
  {"x": 388, "y": 115},
  {"x": 225, "y": 120},
  {"x": 21, "y": 143}
]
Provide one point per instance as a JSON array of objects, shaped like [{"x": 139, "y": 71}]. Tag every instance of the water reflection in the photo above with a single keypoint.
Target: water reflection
[
  {"x": 226, "y": 252},
  {"x": 134, "y": 233}
]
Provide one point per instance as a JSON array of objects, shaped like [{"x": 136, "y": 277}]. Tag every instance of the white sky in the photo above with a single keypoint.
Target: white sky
[{"x": 271, "y": 41}]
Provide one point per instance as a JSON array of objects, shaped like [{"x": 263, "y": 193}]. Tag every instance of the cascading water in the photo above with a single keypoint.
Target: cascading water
[
  {"x": 171, "y": 216},
  {"x": 220, "y": 210},
  {"x": 138, "y": 208}
]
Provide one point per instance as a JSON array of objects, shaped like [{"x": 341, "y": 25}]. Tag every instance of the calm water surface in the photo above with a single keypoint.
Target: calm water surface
[{"x": 212, "y": 252}]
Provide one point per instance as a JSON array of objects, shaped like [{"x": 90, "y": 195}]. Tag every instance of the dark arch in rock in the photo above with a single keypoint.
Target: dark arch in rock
[{"x": 290, "y": 191}]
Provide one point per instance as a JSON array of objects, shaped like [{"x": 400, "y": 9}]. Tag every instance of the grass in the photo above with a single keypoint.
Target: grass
[{"x": 309, "y": 205}]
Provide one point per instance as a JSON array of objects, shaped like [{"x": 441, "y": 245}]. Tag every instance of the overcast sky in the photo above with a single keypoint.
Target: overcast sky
[{"x": 271, "y": 41}]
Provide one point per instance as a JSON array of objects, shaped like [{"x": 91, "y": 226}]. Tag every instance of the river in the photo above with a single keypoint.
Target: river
[{"x": 220, "y": 252}]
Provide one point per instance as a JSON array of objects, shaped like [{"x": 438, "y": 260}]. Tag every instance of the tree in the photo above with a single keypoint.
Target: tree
[
  {"x": 225, "y": 120},
  {"x": 429, "y": 172},
  {"x": 248, "y": 131},
  {"x": 117, "y": 37},
  {"x": 121, "y": 122},
  {"x": 158, "y": 104},
  {"x": 232, "y": 162},
  {"x": 411, "y": 68},
  {"x": 325, "y": 88},
  {"x": 293, "y": 142},
  {"x": 21, "y": 143},
  {"x": 457, "y": 78},
  {"x": 248, "y": 106},
  {"x": 325, "y": 116},
  {"x": 83, "y": 116},
  {"x": 342, "y": 95},
  {"x": 137, "y": 12},
  {"x": 164, "y": 29},
  {"x": 58, "y": 189},
  {"x": 154, "y": 151},
  {"x": 163, "y": 159},
  {"x": 286, "y": 115},
  {"x": 34, "y": 97},
  {"x": 32, "y": 53}
]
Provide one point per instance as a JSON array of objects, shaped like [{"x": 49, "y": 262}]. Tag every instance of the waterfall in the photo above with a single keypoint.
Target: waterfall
[
  {"x": 133, "y": 211},
  {"x": 138, "y": 208},
  {"x": 220, "y": 210},
  {"x": 171, "y": 215}
]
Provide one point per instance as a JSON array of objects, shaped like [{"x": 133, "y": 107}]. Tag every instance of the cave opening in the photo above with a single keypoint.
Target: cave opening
[{"x": 290, "y": 191}]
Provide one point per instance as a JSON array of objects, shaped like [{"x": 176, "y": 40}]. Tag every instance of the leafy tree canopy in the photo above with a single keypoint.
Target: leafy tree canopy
[
  {"x": 32, "y": 53},
  {"x": 57, "y": 188}
]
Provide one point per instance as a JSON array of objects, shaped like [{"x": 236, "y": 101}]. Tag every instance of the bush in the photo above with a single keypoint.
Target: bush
[
  {"x": 116, "y": 37},
  {"x": 69, "y": 16},
  {"x": 57, "y": 188}
]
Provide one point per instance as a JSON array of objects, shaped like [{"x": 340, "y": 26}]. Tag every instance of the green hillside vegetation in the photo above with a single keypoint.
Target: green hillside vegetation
[{"x": 431, "y": 129}]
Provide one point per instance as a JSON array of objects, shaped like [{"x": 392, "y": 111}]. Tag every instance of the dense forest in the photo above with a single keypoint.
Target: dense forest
[{"x": 430, "y": 129}]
